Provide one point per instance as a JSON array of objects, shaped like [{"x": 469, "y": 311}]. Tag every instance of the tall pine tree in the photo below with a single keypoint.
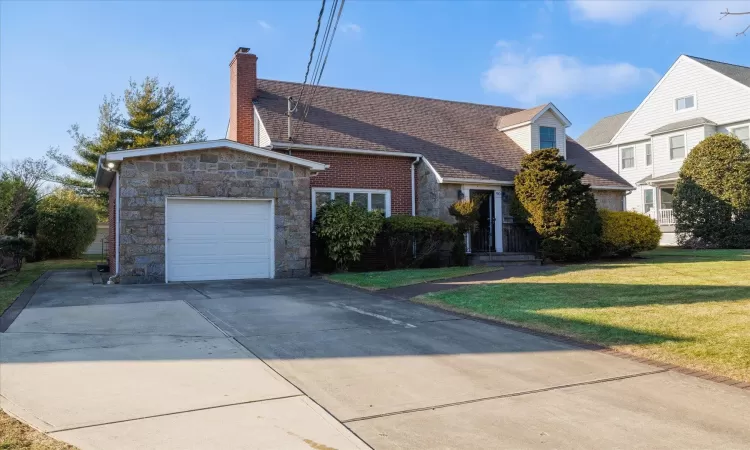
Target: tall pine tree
[{"x": 154, "y": 115}]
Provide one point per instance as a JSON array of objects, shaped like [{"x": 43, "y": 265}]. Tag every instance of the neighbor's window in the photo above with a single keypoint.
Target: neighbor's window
[
  {"x": 648, "y": 200},
  {"x": 684, "y": 103},
  {"x": 743, "y": 134},
  {"x": 628, "y": 158},
  {"x": 649, "y": 157},
  {"x": 373, "y": 200},
  {"x": 547, "y": 137},
  {"x": 677, "y": 147}
]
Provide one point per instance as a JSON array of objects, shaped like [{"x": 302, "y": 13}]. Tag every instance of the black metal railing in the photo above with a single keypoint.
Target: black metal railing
[
  {"x": 520, "y": 237},
  {"x": 482, "y": 240}
]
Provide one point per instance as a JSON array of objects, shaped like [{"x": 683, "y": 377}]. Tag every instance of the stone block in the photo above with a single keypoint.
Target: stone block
[
  {"x": 145, "y": 166},
  {"x": 174, "y": 166},
  {"x": 209, "y": 158}
]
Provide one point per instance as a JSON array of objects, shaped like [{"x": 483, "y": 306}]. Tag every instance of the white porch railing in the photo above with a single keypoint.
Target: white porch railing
[
  {"x": 666, "y": 217},
  {"x": 662, "y": 216}
]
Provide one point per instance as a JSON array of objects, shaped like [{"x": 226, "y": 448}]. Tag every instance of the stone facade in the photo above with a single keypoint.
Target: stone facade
[
  {"x": 611, "y": 200},
  {"x": 146, "y": 181},
  {"x": 434, "y": 198}
]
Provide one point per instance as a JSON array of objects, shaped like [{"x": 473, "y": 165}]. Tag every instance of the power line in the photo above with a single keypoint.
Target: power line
[
  {"x": 322, "y": 57},
  {"x": 312, "y": 52}
]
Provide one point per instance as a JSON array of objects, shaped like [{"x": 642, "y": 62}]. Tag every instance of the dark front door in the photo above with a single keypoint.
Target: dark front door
[{"x": 483, "y": 239}]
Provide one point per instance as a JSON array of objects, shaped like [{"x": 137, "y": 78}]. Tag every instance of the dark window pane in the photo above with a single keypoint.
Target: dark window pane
[
  {"x": 321, "y": 198},
  {"x": 341, "y": 196},
  {"x": 378, "y": 202},
  {"x": 547, "y": 137},
  {"x": 360, "y": 198}
]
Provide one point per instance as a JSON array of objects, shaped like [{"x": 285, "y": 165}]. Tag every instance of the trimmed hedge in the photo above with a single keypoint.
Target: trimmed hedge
[
  {"x": 627, "y": 232},
  {"x": 712, "y": 196},
  {"x": 66, "y": 225},
  {"x": 405, "y": 234},
  {"x": 346, "y": 230}
]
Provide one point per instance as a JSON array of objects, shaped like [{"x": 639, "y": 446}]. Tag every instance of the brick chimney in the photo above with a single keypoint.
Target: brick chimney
[{"x": 243, "y": 83}]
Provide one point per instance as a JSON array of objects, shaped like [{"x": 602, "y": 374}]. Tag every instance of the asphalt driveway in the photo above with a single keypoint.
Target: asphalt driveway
[{"x": 303, "y": 363}]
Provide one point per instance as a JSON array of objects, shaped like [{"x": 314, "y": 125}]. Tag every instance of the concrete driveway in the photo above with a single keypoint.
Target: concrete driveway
[{"x": 306, "y": 364}]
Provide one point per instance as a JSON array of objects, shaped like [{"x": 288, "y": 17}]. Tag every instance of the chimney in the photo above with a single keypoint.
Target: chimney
[{"x": 243, "y": 83}]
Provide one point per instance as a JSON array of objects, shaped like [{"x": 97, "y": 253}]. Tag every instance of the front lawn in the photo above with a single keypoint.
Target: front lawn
[
  {"x": 684, "y": 307},
  {"x": 394, "y": 278},
  {"x": 15, "y": 435},
  {"x": 12, "y": 285}
]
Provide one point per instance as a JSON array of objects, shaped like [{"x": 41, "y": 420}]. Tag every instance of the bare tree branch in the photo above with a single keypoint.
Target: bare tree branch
[{"x": 741, "y": 13}]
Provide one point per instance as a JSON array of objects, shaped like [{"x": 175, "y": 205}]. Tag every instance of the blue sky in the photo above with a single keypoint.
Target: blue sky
[{"x": 592, "y": 59}]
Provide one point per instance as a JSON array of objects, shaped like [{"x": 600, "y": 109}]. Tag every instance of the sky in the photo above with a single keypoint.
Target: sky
[{"x": 59, "y": 59}]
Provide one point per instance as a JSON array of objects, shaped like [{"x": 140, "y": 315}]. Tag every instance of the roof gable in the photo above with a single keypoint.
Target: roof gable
[
  {"x": 740, "y": 74},
  {"x": 602, "y": 132},
  {"x": 528, "y": 116}
]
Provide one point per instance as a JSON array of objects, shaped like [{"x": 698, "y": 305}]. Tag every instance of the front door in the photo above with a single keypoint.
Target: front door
[{"x": 483, "y": 238}]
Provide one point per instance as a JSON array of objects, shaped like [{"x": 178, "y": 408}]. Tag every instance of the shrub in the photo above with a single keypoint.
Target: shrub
[
  {"x": 466, "y": 213},
  {"x": 66, "y": 225},
  {"x": 405, "y": 234},
  {"x": 560, "y": 207},
  {"x": 13, "y": 250},
  {"x": 712, "y": 196},
  {"x": 628, "y": 232},
  {"x": 346, "y": 230}
]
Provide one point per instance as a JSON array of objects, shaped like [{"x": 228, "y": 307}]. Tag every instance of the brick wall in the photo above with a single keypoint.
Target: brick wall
[
  {"x": 365, "y": 172},
  {"x": 112, "y": 234},
  {"x": 242, "y": 91}
]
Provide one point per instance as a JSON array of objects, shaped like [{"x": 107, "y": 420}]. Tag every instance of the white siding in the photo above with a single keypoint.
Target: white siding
[
  {"x": 662, "y": 163},
  {"x": 548, "y": 119},
  {"x": 262, "y": 139},
  {"x": 608, "y": 156},
  {"x": 521, "y": 136},
  {"x": 717, "y": 98}
]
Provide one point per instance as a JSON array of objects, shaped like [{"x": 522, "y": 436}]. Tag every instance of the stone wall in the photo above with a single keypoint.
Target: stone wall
[
  {"x": 611, "y": 200},
  {"x": 433, "y": 198},
  {"x": 145, "y": 181}
]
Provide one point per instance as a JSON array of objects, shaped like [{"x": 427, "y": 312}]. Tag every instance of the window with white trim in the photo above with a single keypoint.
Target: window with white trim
[
  {"x": 677, "y": 147},
  {"x": 648, "y": 200},
  {"x": 371, "y": 199},
  {"x": 649, "y": 156},
  {"x": 743, "y": 134},
  {"x": 547, "y": 137},
  {"x": 684, "y": 103},
  {"x": 628, "y": 157}
]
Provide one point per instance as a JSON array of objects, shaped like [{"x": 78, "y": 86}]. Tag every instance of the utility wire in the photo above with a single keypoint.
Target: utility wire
[
  {"x": 322, "y": 59},
  {"x": 312, "y": 52}
]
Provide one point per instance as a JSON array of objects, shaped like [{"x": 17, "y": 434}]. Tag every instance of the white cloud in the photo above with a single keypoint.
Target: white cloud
[
  {"x": 703, "y": 15},
  {"x": 352, "y": 28},
  {"x": 537, "y": 79},
  {"x": 503, "y": 44},
  {"x": 265, "y": 25}
]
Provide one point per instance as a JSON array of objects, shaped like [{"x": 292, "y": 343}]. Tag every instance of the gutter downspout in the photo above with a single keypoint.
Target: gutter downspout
[
  {"x": 117, "y": 223},
  {"x": 413, "y": 188}
]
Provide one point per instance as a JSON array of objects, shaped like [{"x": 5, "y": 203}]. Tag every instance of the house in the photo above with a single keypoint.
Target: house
[
  {"x": 242, "y": 207},
  {"x": 696, "y": 98}
]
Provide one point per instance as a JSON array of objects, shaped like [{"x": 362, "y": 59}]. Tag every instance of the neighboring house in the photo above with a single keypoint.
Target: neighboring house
[
  {"x": 98, "y": 247},
  {"x": 242, "y": 207},
  {"x": 695, "y": 99}
]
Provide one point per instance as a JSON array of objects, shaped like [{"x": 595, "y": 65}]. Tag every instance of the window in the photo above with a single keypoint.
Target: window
[
  {"x": 677, "y": 147},
  {"x": 666, "y": 198},
  {"x": 743, "y": 134},
  {"x": 648, "y": 200},
  {"x": 683, "y": 103},
  {"x": 628, "y": 158},
  {"x": 547, "y": 137},
  {"x": 373, "y": 200},
  {"x": 649, "y": 157}
]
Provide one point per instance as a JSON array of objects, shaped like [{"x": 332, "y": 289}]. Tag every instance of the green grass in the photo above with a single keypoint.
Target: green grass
[
  {"x": 394, "y": 278},
  {"x": 12, "y": 285},
  {"x": 685, "y": 307}
]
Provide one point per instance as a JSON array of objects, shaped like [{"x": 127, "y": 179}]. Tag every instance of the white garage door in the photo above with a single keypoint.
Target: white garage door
[{"x": 215, "y": 239}]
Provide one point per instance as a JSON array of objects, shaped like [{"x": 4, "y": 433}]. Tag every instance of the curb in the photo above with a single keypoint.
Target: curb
[
  {"x": 15, "y": 308},
  {"x": 590, "y": 346}
]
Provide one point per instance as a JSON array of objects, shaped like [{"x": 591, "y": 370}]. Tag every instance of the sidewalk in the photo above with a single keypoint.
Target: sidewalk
[{"x": 414, "y": 290}]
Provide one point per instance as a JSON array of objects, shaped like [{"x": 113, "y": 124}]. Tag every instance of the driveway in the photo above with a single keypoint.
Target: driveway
[{"x": 307, "y": 364}]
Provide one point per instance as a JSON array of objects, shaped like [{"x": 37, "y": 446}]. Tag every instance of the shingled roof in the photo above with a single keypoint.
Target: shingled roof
[
  {"x": 738, "y": 73},
  {"x": 604, "y": 130},
  {"x": 460, "y": 140}
]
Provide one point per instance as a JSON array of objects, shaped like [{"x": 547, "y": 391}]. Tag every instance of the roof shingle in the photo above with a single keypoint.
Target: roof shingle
[
  {"x": 682, "y": 125},
  {"x": 604, "y": 130},
  {"x": 740, "y": 74},
  {"x": 460, "y": 140}
]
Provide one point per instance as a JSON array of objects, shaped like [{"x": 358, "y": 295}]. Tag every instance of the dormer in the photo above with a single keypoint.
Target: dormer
[{"x": 535, "y": 128}]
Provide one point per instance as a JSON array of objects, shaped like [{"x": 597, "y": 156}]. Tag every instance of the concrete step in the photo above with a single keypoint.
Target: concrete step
[
  {"x": 534, "y": 262},
  {"x": 504, "y": 259}
]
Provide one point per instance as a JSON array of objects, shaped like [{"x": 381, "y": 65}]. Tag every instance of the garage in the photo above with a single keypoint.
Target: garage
[{"x": 218, "y": 239}]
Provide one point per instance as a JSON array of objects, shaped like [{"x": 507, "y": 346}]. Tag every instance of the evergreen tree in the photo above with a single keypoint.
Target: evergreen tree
[
  {"x": 154, "y": 115},
  {"x": 560, "y": 207}
]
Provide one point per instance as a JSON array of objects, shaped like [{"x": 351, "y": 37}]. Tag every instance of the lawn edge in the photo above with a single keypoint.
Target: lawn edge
[
  {"x": 14, "y": 309},
  {"x": 588, "y": 345},
  {"x": 376, "y": 289}
]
